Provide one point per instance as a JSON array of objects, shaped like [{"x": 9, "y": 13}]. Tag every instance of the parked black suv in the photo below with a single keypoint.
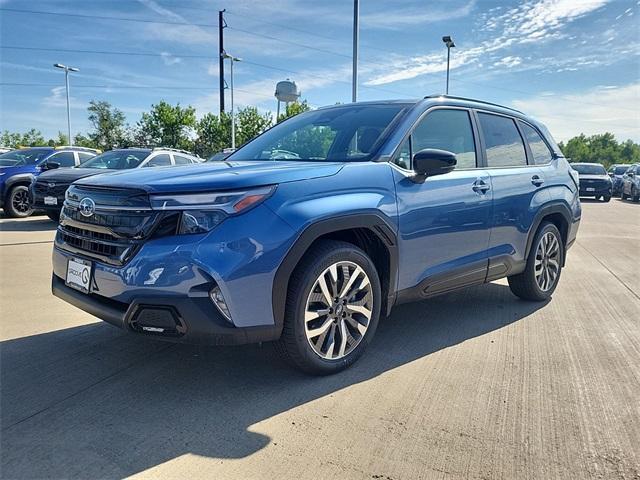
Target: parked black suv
[{"x": 594, "y": 180}]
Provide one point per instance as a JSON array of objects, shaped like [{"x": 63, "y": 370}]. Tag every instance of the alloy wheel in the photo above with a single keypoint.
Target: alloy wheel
[
  {"x": 20, "y": 201},
  {"x": 547, "y": 261},
  {"x": 338, "y": 310}
]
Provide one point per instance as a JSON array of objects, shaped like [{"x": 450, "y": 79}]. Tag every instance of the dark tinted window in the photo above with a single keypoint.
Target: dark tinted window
[
  {"x": 65, "y": 159},
  {"x": 344, "y": 133},
  {"x": 447, "y": 130},
  {"x": 162, "y": 160},
  {"x": 117, "y": 160},
  {"x": 25, "y": 156},
  {"x": 589, "y": 169},
  {"x": 502, "y": 141},
  {"x": 619, "y": 170},
  {"x": 539, "y": 150},
  {"x": 85, "y": 156}
]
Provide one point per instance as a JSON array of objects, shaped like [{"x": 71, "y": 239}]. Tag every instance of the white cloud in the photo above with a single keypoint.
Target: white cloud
[
  {"x": 508, "y": 62},
  {"x": 399, "y": 17},
  {"x": 169, "y": 59},
  {"x": 597, "y": 110}
]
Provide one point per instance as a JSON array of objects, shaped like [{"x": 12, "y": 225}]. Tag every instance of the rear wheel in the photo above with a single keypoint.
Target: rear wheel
[
  {"x": 17, "y": 203},
  {"x": 623, "y": 195},
  {"x": 544, "y": 265},
  {"x": 332, "y": 311},
  {"x": 607, "y": 198}
]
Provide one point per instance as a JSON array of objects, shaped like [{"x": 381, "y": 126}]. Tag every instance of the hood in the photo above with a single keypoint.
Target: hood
[
  {"x": 594, "y": 177},
  {"x": 10, "y": 170},
  {"x": 214, "y": 176},
  {"x": 68, "y": 175}
]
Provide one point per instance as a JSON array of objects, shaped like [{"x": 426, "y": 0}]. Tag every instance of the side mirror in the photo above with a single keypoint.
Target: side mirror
[
  {"x": 51, "y": 165},
  {"x": 630, "y": 174},
  {"x": 611, "y": 174},
  {"x": 430, "y": 162}
]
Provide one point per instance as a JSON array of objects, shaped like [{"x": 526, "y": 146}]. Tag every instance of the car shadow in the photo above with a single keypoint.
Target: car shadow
[
  {"x": 93, "y": 401},
  {"x": 24, "y": 225}
]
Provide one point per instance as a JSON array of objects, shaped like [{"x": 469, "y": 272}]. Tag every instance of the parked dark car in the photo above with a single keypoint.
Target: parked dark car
[
  {"x": 631, "y": 183},
  {"x": 48, "y": 191},
  {"x": 19, "y": 167},
  {"x": 312, "y": 231},
  {"x": 616, "y": 172},
  {"x": 594, "y": 180}
]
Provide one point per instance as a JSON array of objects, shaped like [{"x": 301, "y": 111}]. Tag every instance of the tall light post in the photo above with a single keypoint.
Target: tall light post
[
  {"x": 233, "y": 115},
  {"x": 356, "y": 40},
  {"x": 448, "y": 41},
  {"x": 66, "y": 81}
]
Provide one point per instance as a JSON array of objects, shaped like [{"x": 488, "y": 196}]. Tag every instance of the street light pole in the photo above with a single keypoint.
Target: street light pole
[
  {"x": 66, "y": 82},
  {"x": 448, "y": 41},
  {"x": 356, "y": 40},
  {"x": 233, "y": 115}
]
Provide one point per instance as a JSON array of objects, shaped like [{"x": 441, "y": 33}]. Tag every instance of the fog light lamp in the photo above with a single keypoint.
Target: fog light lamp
[{"x": 216, "y": 297}]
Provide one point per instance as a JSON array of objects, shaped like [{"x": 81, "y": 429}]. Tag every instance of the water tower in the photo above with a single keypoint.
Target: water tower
[{"x": 286, "y": 91}]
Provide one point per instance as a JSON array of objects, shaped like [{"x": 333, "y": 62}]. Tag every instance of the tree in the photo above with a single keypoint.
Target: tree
[
  {"x": 294, "y": 108},
  {"x": 250, "y": 124},
  {"x": 601, "y": 148},
  {"x": 109, "y": 129},
  {"x": 32, "y": 138},
  {"x": 167, "y": 126},
  {"x": 213, "y": 134}
]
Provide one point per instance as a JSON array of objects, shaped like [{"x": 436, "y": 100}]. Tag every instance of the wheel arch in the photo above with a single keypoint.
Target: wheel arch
[
  {"x": 557, "y": 213},
  {"x": 20, "y": 179},
  {"x": 370, "y": 232}
]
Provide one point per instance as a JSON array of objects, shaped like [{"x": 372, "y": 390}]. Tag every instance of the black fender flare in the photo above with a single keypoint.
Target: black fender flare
[
  {"x": 548, "y": 209},
  {"x": 19, "y": 178},
  {"x": 373, "y": 221}
]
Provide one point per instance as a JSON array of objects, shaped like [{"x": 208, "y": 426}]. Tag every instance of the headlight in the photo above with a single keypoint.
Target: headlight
[{"x": 201, "y": 212}]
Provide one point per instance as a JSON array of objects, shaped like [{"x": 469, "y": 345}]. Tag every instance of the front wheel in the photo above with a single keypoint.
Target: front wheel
[
  {"x": 17, "y": 203},
  {"x": 607, "y": 198},
  {"x": 332, "y": 310},
  {"x": 544, "y": 265}
]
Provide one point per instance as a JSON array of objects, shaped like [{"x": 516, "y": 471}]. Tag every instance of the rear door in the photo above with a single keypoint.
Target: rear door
[
  {"x": 443, "y": 221},
  {"x": 518, "y": 191}
]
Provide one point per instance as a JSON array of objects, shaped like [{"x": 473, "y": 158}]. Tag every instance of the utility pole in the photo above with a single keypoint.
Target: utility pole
[
  {"x": 221, "y": 26},
  {"x": 356, "y": 39},
  {"x": 66, "y": 82}
]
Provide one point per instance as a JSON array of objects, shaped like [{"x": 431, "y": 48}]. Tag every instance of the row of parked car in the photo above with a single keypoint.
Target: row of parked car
[
  {"x": 620, "y": 180},
  {"x": 37, "y": 178}
]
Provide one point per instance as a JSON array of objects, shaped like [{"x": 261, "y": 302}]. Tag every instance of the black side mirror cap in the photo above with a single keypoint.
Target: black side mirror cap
[
  {"x": 51, "y": 165},
  {"x": 430, "y": 162}
]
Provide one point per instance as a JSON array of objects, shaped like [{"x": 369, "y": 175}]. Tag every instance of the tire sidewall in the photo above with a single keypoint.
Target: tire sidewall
[
  {"x": 312, "y": 272},
  {"x": 9, "y": 209},
  {"x": 545, "y": 228}
]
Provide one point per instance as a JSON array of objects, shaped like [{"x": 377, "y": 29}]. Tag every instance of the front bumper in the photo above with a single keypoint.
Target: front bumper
[
  {"x": 597, "y": 191},
  {"x": 196, "y": 320}
]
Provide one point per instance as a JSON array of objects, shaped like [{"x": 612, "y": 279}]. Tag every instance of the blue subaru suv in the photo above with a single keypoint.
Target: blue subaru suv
[
  {"x": 311, "y": 232},
  {"x": 18, "y": 168}
]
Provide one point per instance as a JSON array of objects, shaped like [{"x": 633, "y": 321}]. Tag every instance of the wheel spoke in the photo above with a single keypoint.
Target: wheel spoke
[
  {"x": 312, "y": 333},
  {"x": 360, "y": 309},
  {"x": 332, "y": 341},
  {"x": 343, "y": 338},
  {"x": 352, "y": 279},
  {"x": 322, "y": 282},
  {"x": 357, "y": 325}
]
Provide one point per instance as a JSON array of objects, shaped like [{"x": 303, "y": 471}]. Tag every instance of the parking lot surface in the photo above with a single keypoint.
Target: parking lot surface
[{"x": 472, "y": 384}]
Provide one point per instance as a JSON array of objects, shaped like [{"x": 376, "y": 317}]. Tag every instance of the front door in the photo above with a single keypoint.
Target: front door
[{"x": 444, "y": 222}]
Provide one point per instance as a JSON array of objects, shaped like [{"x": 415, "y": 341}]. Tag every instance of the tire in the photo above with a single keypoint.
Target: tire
[
  {"x": 17, "y": 202},
  {"x": 526, "y": 284},
  {"x": 54, "y": 215},
  {"x": 607, "y": 198},
  {"x": 319, "y": 355},
  {"x": 623, "y": 196},
  {"x": 634, "y": 195}
]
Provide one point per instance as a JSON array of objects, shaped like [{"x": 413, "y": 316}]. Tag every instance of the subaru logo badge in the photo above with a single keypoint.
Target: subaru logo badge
[
  {"x": 87, "y": 207},
  {"x": 51, "y": 185}
]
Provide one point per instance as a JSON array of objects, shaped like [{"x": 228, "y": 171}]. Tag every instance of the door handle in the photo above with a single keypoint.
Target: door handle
[
  {"x": 536, "y": 180},
  {"x": 479, "y": 186}
]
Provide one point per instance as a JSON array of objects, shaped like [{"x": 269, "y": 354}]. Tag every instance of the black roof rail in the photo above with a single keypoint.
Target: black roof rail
[{"x": 435, "y": 95}]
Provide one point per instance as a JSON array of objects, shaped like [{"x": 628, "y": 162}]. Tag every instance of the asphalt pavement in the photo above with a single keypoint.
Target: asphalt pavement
[{"x": 472, "y": 384}]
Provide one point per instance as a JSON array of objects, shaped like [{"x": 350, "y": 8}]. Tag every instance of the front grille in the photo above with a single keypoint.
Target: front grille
[
  {"x": 50, "y": 189},
  {"x": 116, "y": 230}
]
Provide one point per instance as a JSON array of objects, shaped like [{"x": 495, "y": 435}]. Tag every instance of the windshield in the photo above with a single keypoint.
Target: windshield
[
  {"x": 116, "y": 160},
  {"x": 344, "y": 133},
  {"x": 619, "y": 170},
  {"x": 589, "y": 169},
  {"x": 28, "y": 156}
]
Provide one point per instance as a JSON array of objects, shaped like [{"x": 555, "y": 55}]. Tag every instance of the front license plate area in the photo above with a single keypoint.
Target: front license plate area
[
  {"x": 591, "y": 189},
  {"x": 50, "y": 200},
  {"x": 78, "y": 274}
]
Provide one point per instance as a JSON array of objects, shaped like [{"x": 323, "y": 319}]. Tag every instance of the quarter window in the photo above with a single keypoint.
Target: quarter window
[
  {"x": 502, "y": 141},
  {"x": 447, "y": 130},
  {"x": 182, "y": 160},
  {"x": 539, "y": 150},
  {"x": 85, "y": 156}
]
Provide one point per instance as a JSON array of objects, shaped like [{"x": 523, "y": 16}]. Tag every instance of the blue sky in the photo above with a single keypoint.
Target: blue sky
[{"x": 573, "y": 64}]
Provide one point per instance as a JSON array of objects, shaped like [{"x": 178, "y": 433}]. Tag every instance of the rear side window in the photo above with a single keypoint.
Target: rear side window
[
  {"x": 65, "y": 159},
  {"x": 539, "y": 150},
  {"x": 161, "y": 160},
  {"x": 447, "y": 130},
  {"x": 502, "y": 141},
  {"x": 85, "y": 156},
  {"x": 182, "y": 160}
]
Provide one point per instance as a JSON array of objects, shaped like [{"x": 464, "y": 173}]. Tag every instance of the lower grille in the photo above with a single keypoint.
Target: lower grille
[{"x": 50, "y": 189}]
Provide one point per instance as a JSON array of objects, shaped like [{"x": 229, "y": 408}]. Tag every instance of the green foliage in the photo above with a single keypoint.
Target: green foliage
[
  {"x": 250, "y": 124},
  {"x": 601, "y": 148},
  {"x": 294, "y": 108},
  {"x": 214, "y": 134},
  {"x": 109, "y": 128},
  {"x": 167, "y": 125},
  {"x": 32, "y": 138}
]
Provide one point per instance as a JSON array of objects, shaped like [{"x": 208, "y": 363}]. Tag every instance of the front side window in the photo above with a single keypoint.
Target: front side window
[
  {"x": 338, "y": 134},
  {"x": 65, "y": 159},
  {"x": 162, "y": 160},
  {"x": 85, "y": 156},
  {"x": 502, "y": 141},
  {"x": 539, "y": 150},
  {"x": 403, "y": 159},
  {"x": 449, "y": 130}
]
